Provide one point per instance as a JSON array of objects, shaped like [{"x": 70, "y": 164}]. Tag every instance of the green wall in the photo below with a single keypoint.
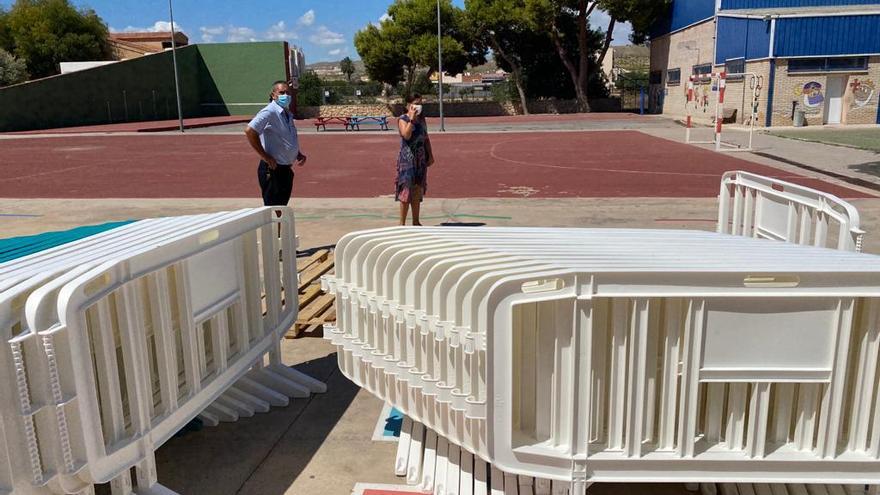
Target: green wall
[
  {"x": 235, "y": 78},
  {"x": 213, "y": 79}
]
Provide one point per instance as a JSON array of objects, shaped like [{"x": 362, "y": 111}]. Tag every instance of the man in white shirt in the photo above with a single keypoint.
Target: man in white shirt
[{"x": 272, "y": 134}]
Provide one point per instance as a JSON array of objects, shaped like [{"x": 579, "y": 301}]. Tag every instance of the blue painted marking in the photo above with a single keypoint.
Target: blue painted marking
[
  {"x": 16, "y": 247},
  {"x": 393, "y": 423}
]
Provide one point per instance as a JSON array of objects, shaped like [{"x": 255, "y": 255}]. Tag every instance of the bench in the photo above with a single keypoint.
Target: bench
[
  {"x": 322, "y": 122},
  {"x": 356, "y": 121}
]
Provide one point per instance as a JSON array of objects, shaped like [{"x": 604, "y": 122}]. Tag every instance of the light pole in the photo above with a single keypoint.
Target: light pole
[
  {"x": 174, "y": 61},
  {"x": 439, "y": 68}
]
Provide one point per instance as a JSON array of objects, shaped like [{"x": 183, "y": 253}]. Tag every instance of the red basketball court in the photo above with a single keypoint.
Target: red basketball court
[{"x": 494, "y": 165}]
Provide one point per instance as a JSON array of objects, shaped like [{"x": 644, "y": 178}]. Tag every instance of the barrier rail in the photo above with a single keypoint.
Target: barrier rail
[
  {"x": 756, "y": 206},
  {"x": 615, "y": 355},
  {"x": 178, "y": 323}
]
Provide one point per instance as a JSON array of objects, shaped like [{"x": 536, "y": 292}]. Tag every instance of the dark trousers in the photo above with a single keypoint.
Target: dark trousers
[{"x": 276, "y": 185}]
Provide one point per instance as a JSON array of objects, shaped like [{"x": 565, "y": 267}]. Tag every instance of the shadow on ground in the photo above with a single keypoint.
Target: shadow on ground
[
  {"x": 224, "y": 459},
  {"x": 870, "y": 168}
]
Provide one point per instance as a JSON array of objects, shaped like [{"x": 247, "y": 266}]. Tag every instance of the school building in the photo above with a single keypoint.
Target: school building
[{"x": 821, "y": 57}]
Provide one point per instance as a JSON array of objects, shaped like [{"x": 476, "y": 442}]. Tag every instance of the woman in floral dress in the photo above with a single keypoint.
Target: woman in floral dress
[{"x": 413, "y": 161}]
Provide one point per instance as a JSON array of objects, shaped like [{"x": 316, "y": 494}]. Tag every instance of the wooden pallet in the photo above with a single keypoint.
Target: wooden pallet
[{"x": 315, "y": 306}]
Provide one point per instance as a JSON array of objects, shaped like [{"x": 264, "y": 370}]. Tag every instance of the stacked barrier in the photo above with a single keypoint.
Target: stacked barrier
[
  {"x": 620, "y": 355},
  {"x": 756, "y": 206},
  {"x": 433, "y": 465},
  {"x": 116, "y": 341}
]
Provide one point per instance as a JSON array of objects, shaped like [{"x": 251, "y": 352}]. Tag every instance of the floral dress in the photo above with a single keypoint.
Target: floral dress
[{"x": 412, "y": 162}]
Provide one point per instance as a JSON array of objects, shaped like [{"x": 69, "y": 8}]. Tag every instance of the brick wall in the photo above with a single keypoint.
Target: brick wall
[
  {"x": 859, "y": 107},
  {"x": 682, "y": 50},
  {"x": 739, "y": 94}
]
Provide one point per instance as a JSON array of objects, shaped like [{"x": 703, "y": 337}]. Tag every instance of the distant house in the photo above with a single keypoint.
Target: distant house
[
  {"x": 132, "y": 45},
  {"x": 621, "y": 60}
]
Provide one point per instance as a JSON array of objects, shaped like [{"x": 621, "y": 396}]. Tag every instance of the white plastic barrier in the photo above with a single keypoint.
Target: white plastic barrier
[
  {"x": 429, "y": 462},
  {"x": 756, "y": 206},
  {"x": 617, "y": 355},
  {"x": 203, "y": 260}
]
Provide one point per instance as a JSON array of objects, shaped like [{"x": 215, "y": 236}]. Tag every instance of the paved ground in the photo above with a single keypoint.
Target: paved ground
[{"x": 323, "y": 445}]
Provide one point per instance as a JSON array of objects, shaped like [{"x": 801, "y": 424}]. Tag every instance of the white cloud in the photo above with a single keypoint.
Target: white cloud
[
  {"x": 210, "y": 34},
  {"x": 336, "y": 51},
  {"x": 233, "y": 34},
  {"x": 385, "y": 17},
  {"x": 307, "y": 19},
  {"x": 600, "y": 19},
  {"x": 239, "y": 34},
  {"x": 158, "y": 26},
  {"x": 278, "y": 31},
  {"x": 323, "y": 36}
]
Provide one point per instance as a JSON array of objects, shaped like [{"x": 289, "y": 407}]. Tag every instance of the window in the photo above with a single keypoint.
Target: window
[
  {"x": 673, "y": 77},
  {"x": 702, "y": 69},
  {"x": 656, "y": 77},
  {"x": 166, "y": 45},
  {"x": 735, "y": 66},
  {"x": 827, "y": 64}
]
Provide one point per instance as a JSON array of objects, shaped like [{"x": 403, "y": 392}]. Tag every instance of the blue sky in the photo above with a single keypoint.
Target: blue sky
[{"x": 325, "y": 29}]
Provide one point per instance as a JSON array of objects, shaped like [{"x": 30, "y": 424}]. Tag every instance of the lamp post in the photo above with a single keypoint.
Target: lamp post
[
  {"x": 439, "y": 68},
  {"x": 174, "y": 61}
]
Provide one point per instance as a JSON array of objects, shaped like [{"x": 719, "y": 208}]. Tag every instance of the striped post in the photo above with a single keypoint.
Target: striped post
[
  {"x": 719, "y": 109},
  {"x": 690, "y": 100}
]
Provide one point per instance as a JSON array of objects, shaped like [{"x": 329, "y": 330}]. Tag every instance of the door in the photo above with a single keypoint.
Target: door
[{"x": 834, "y": 99}]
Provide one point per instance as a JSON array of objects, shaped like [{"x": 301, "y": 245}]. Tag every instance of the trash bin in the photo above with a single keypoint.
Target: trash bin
[{"x": 800, "y": 119}]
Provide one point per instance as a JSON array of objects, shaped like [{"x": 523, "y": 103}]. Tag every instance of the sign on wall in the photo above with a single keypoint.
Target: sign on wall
[
  {"x": 812, "y": 94},
  {"x": 862, "y": 91}
]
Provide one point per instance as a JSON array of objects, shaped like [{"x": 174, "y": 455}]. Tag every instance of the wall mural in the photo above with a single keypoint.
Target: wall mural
[
  {"x": 812, "y": 93},
  {"x": 862, "y": 91}
]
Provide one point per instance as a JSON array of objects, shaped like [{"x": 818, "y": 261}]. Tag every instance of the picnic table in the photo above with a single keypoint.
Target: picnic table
[
  {"x": 321, "y": 122},
  {"x": 356, "y": 121}
]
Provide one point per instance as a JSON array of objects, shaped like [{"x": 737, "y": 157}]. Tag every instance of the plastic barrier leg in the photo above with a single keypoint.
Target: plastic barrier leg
[
  {"x": 253, "y": 402},
  {"x": 400, "y": 462},
  {"x": 263, "y": 392},
  {"x": 276, "y": 382},
  {"x": 313, "y": 385},
  {"x": 209, "y": 418}
]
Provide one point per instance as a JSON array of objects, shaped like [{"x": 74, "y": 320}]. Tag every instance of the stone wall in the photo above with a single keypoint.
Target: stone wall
[{"x": 459, "y": 109}]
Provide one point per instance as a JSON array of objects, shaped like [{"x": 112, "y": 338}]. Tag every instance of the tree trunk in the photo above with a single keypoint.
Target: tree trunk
[
  {"x": 609, "y": 37},
  {"x": 584, "y": 62},
  {"x": 580, "y": 73},
  {"x": 517, "y": 74},
  {"x": 410, "y": 78},
  {"x": 582, "y": 102}
]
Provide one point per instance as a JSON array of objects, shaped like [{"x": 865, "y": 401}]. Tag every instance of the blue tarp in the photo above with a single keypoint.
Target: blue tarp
[{"x": 16, "y": 247}]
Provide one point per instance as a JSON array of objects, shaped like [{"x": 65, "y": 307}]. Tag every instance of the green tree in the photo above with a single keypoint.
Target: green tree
[
  {"x": 309, "y": 92},
  {"x": 406, "y": 42},
  {"x": 503, "y": 26},
  {"x": 347, "y": 67},
  {"x": 582, "y": 62},
  {"x": 46, "y": 32},
  {"x": 12, "y": 70},
  {"x": 5, "y": 35}
]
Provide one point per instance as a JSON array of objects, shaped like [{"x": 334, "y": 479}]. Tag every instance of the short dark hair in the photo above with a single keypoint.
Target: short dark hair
[
  {"x": 413, "y": 97},
  {"x": 276, "y": 83}
]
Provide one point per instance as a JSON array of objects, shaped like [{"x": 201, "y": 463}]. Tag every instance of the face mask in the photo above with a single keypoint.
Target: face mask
[
  {"x": 418, "y": 109},
  {"x": 283, "y": 100}
]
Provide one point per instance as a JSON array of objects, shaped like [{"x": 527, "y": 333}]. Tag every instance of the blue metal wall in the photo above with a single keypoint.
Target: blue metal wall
[
  {"x": 742, "y": 38},
  {"x": 683, "y": 13},
  {"x": 764, "y": 4},
  {"x": 833, "y": 35}
]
